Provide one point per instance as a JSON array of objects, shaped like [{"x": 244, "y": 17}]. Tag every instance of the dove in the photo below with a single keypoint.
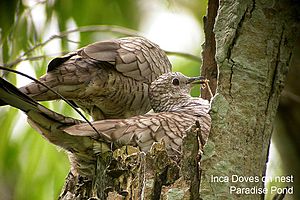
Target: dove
[
  {"x": 175, "y": 110},
  {"x": 107, "y": 79}
]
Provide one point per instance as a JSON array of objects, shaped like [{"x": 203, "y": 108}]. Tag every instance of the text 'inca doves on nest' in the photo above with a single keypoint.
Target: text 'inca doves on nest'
[
  {"x": 108, "y": 79},
  {"x": 175, "y": 111}
]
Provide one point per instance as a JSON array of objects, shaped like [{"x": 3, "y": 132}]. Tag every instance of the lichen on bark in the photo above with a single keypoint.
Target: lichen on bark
[{"x": 254, "y": 43}]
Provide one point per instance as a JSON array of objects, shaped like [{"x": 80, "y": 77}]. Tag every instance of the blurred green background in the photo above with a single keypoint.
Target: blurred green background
[{"x": 32, "y": 168}]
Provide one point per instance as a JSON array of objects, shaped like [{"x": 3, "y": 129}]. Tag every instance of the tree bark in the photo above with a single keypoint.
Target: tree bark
[{"x": 254, "y": 42}]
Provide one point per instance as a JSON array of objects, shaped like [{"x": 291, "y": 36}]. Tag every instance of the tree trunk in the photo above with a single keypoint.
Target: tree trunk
[{"x": 254, "y": 42}]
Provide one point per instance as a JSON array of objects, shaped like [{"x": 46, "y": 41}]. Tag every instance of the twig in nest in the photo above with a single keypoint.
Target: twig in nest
[{"x": 206, "y": 85}]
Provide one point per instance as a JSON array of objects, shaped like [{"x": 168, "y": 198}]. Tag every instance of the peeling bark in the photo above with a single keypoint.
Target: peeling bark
[{"x": 209, "y": 67}]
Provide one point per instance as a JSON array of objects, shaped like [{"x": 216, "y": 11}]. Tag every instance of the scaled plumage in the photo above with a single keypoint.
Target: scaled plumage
[
  {"x": 175, "y": 111},
  {"x": 107, "y": 79}
]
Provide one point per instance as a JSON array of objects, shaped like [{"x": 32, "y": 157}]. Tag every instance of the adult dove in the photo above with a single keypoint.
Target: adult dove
[
  {"x": 107, "y": 79},
  {"x": 174, "y": 112}
]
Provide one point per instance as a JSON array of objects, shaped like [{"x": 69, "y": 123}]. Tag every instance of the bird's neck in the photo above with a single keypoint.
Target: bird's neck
[{"x": 182, "y": 104}]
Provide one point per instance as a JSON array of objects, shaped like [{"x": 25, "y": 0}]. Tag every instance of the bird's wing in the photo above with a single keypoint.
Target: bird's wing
[
  {"x": 135, "y": 57},
  {"x": 142, "y": 130}
]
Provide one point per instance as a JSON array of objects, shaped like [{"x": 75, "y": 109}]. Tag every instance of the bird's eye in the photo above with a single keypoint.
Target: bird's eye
[{"x": 175, "y": 81}]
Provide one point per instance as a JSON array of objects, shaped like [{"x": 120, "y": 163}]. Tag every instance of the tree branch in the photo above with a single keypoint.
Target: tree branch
[
  {"x": 185, "y": 55},
  {"x": 95, "y": 28}
]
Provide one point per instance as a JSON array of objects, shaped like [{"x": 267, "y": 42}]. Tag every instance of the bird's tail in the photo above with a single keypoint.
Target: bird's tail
[
  {"x": 51, "y": 125},
  {"x": 10, "y": 95},
  {"x": 45, "y": 121}
]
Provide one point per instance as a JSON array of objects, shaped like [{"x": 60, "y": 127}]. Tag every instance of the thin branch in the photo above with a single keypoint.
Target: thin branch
[
  {"x": 22, "y": 59},
  {"x": 290, "y": 95},
  {"x": 72, "y": 41},
  {"x": 95, "y": 28},
  {"x": 62, "y": 97},
  {"x": 185, "y": 55}
]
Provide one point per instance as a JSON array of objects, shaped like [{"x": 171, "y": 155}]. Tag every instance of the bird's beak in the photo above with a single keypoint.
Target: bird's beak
[{"x": 197, "y": 80}]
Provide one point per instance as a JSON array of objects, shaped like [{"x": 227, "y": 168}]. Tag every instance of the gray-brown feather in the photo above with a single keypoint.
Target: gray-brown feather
[
  {"x": 175, "y": 111},
  {"x": 108, "y": 79},
  {"x": 169, "y": 123}
]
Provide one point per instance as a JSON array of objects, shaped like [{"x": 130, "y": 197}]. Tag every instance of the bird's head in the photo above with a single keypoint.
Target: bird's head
[{"x": 171, "y": 89}]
